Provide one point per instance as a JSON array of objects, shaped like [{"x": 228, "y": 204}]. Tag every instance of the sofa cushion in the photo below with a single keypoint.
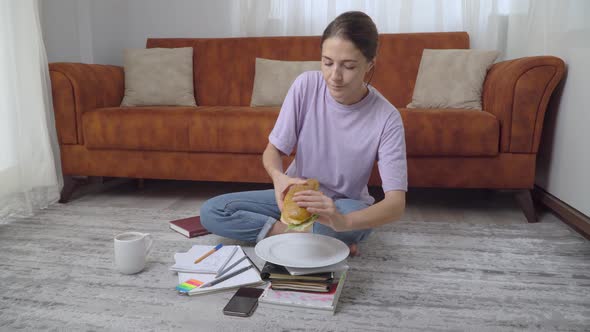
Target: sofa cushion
[
  {"x": 138, "y": 128},
  {"x": 273, "y": 78},
  {"x": 450, "y": 132},
  {"x": 232, "y": 129},
  {"x": 238, "y": 129},
  {"x": 451, "y": 78},
  {"x": 159, "y": 76},
  {"x": 243, "y": 129}
]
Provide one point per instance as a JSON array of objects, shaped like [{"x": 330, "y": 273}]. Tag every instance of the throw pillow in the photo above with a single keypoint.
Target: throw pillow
[
  {"x": 273, "y": 78},
  {"x": 159, "y": 76},
  {"x": 451, "y": 78}
]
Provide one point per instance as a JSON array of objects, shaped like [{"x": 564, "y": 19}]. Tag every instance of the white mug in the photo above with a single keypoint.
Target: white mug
[{"x": 131, "y": 250}]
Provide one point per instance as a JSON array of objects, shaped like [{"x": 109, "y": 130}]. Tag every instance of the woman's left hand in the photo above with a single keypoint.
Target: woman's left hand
[{"x": 317, "y": 203}]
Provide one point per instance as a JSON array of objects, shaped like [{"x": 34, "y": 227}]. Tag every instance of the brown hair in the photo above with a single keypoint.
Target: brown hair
[{"x": 357, "y": 27}]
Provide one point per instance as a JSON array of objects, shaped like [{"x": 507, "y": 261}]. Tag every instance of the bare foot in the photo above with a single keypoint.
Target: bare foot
[{"x": 354, "y": 250}]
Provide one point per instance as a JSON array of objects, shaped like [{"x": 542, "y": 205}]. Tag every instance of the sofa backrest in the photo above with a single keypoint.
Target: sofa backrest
[{"x": 224, "y": 67}]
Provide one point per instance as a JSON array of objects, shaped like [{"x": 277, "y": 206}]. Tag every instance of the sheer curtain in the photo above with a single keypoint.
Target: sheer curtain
[
  {"x": 486, "y": 21},
  {"x": 29, "y": 156}
]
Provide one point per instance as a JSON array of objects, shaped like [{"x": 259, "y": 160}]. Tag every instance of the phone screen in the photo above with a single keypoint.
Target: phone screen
[{"x": 244, "y": 302}]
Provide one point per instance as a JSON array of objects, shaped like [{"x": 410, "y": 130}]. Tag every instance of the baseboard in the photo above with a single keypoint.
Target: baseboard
[{"x": 574, "y": 218}]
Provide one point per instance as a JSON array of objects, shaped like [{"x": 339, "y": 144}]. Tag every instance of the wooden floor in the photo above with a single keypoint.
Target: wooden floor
[{"x": 459, "y": 260}]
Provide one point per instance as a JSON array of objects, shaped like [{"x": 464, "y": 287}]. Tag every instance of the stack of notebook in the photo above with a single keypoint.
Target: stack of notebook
[
  {"x": 304, "y": 288},
  {"x": 281, "y": 279}
]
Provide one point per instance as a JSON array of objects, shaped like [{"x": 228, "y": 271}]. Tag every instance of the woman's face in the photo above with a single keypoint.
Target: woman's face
[{"x": 344, "y": 68}]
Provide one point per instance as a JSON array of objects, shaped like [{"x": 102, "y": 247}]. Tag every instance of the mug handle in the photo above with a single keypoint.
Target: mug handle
[{"x": 150, "y": 242}]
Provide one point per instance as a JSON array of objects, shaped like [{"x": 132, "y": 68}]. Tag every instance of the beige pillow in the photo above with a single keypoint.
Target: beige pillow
[
  {"x": 159, "y": 76},
  {"x": 451, "y": 78},
  {"x": 273, "y": 78}
]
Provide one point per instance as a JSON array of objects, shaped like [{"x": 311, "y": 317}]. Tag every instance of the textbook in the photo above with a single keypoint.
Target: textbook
[
  {"x": 250, "y": 277},
  {"x": 189, "y": 227},
  {"x": 309, "y": 286},
  {"x": 213, "y": 264},
  {"x": 321, "y": 302},
  {"x": 275, "y": 272}
]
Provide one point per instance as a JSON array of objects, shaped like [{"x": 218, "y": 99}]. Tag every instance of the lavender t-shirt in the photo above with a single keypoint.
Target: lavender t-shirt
[{"x": 338, "y": 144}]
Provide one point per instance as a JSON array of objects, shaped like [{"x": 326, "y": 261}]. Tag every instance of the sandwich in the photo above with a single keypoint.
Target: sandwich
[{"x": 295, "y": 217}]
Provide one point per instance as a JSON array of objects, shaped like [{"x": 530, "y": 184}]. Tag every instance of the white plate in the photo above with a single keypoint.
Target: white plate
[{"x": 302, "y": 250}]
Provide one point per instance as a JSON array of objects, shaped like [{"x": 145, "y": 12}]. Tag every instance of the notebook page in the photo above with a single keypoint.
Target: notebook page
[{"x": 185, "y": 262}]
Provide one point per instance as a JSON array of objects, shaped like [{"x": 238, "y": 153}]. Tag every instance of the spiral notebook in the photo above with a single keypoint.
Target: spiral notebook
[{"x": 249, "y": 278}]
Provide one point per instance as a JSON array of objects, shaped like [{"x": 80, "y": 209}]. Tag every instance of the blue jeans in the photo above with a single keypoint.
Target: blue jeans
[{"x": 249, "y": 216}]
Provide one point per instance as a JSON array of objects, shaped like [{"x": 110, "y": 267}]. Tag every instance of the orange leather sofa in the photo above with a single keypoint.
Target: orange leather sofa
[{"x": 223, "y": 138}]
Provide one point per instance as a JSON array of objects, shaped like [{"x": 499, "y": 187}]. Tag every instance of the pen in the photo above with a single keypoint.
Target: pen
[
  {"x": 222, "y": 267},
  {"x": 217, "y": 247},
  {"x": 225, "y": 277},
  {"x": 231, "y": 266}
]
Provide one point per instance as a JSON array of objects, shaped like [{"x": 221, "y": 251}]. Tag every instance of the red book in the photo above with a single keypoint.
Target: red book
[{"x": 189, "y": 227}]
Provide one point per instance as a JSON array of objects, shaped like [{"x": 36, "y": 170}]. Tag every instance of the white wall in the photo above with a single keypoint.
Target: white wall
[
  {"x": 561, "y": 28},
  {"x": 564, "y": 157},
  {"x": 98, "y": 31},
  {"x": 59, "y": 22}
]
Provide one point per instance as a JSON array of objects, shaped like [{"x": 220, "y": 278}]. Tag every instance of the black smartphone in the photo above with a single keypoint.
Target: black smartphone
[{"x": 244, "y": 302}]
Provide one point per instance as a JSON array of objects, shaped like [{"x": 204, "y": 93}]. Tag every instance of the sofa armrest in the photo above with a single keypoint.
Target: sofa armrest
[
  {"x": 78, "y": 87},
  {"x": 517, "y": 93}
]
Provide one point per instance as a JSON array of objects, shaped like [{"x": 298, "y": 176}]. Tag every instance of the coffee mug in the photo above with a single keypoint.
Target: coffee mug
[{"x": 131, "y": 250}]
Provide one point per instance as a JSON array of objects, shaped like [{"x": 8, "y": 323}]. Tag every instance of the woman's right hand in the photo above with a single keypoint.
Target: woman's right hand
[{"x": 282, "y": 182}]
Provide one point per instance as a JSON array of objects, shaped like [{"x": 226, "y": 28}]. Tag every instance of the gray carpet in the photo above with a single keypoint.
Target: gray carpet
[{"x": 456, "y": 262}]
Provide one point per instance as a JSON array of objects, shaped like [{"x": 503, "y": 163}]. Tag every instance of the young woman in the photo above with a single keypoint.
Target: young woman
[{"x": 340, "y": 126}]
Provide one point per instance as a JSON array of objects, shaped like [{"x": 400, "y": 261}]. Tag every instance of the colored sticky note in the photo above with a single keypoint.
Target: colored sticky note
[
  {"x": 194, "y": 282},
  {"x": 188, "y": 285}
]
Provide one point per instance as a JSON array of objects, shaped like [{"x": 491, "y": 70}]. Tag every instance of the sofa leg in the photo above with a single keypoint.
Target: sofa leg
[
  {"x": 140, "y": 184},
  {"x": 71, "y": 183},
  {"x": 74, "y": 183},
  {"x": 525, "y": 200}
]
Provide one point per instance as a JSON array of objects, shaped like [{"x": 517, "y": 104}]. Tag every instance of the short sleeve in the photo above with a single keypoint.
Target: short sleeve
[
  {"x": 391, "y": 158},
  {"x": 285, "y": 132}
]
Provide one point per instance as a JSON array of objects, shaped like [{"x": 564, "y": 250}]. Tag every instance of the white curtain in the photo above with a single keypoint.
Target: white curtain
[
  {"x": 486, "y": 21},
  {"x": 552, "y": 27},
  {"x": 29, "y": 156}
]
